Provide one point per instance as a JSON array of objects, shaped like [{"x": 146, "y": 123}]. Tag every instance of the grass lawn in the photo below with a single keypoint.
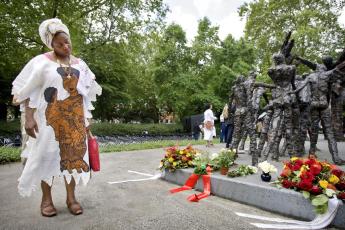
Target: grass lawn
[{"x": 10, "y": 154}]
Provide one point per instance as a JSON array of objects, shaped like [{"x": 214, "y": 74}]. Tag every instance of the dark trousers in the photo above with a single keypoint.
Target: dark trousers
[
  {"x": 230, "y": 128},
  {"x": 196, "y": 136},
  {"x": 223, "y": 132}
]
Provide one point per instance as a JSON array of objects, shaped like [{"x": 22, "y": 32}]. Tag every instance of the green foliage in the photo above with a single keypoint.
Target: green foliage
[
  {"x": 108, "y": 129},
  {"x": 200, "y": 169},
  {"x": 101, "y": 32},
  {"x": 9, "y": 154},
  {"x": 9, "y": 128},
  {"x": 313, "y": 22},
  {"x": 243, "y": 170},
  {"x": 226, "y": 158}
]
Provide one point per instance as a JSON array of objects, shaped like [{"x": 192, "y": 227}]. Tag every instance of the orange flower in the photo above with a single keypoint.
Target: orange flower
[{"x": 330, "y": 186}]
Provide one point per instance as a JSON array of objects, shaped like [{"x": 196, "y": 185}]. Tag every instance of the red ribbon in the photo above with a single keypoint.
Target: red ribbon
[{"x": 190, "y": 183}]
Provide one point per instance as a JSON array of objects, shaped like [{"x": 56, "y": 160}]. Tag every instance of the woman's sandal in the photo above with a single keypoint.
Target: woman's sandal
[
  {"x": 74, "y": 208},
  {"x": 48, "y": 210}
]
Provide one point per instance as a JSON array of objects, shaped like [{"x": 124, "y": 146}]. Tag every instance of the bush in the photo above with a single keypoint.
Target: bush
[
  {"x": 109, "y": 129},
  {"x": 9, "y": 128},
  {"x": 9, "y": 154}
]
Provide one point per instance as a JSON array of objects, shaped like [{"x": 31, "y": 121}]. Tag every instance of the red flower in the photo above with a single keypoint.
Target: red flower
[
  {"x": 340, "y": 186},
  {"x": 310, "y": 161},
  {"x": 297, "y": 165},
  {"x": 338, "y": 172},
  {"x": 287, "y": 184},
  {"x": 315, "y": 190},
  {"x": 315, "y": 168},
  {"x": 288, "y": 165},
  {"x": 286, "y": 172},
  {"x": 341, "y": 195},
  {"x": 307, "y": 176},
  {"x": 305, "y": 185}
]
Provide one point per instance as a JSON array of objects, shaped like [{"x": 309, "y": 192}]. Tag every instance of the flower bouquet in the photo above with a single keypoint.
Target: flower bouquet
[
  {"x": 317, "y": 180},
  {"x": 266, "y": 169},
  {"x": 176, "y": 158},
  {"x": 243, "y": 170}
]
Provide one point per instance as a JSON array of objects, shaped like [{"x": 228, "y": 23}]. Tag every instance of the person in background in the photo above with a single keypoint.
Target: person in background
[
  {"x": 222, "y": 136},
  {"x": 209, "y": 129},
  {"x": 230, "y": 124},
  {"x": 196, "y": 131},
  {"x": 225, "y": 125}
]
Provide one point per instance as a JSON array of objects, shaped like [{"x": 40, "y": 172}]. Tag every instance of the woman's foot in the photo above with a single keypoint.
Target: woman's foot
[
  {"x": 74, "y": 207},
  {"x": 48, "y": 209}
]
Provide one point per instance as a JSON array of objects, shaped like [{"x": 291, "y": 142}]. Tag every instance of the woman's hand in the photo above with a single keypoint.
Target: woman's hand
[
  {"x": 30, "y": 123},
  {"x": 31, "y": 127}
]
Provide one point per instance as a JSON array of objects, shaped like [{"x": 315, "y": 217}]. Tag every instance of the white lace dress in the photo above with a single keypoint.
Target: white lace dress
[
  {"x": 209, "y": 133},
  {"x": 52, "y": 92}
]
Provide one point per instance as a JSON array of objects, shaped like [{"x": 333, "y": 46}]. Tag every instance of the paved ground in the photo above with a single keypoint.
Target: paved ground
[{"x": 136, "y": 205}]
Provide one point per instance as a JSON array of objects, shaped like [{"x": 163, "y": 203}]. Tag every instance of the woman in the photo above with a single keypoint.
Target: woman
[
  {"x": 209, "y": 129},
  {"x": 57, "y": 90},
  {"x": 224, "y": 124}
]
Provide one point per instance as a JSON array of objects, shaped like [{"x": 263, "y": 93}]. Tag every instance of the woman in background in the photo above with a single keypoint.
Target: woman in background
[{"x": 209, "y": 129}]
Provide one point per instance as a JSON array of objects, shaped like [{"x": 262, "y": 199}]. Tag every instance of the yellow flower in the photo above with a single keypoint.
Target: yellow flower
[
  {"x": 323, "y": 184},
  {"x": 171, "y": 159},
  {"x": 293, "y": 159},
  {"x": 333, "y": 179},
  {"x": 175, "y": 163},
  {"x": 181, "y": 152},
  {"x": 324, "y": 164},
  {"x": 190, "y": 162},
  {"x": 304, "y": 168},
  {"x": 188, "y": 155}
]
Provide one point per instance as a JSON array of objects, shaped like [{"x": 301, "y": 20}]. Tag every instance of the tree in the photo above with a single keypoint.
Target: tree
[
  {"x": 170, "y": 64},
  {"x": 233, "y": 58},
  {"x": 96, "y": 26},
  {"x": 313, "y": 22}
]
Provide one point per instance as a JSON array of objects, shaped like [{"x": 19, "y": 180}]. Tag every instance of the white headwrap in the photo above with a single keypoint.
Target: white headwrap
[{"x": 49, "y": 28}]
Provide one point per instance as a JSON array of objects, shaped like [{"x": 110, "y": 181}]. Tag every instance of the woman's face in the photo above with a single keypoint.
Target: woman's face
[{"x": 62, "y": 45}]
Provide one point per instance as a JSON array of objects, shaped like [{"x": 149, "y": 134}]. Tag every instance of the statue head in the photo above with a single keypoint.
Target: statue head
[
  {"x": 278, "y": 58},
  {"x": 328, "y": 62},
  {"x": 240, "y": 79}
]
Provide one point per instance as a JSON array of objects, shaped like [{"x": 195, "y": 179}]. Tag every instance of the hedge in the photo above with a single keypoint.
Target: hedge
[{"x": 109, "y": 129}]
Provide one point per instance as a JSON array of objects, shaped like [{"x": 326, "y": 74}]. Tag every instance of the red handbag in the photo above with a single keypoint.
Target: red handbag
[{"x": 93, "y": 153}]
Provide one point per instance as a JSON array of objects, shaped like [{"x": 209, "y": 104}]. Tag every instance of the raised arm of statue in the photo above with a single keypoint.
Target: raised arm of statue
[
  {"x": 264, "y": 85},
  {"x": 307, "y": 63}
]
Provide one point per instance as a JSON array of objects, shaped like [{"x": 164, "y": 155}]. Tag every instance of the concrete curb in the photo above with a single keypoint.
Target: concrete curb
[{"x": 282, "y": 201}]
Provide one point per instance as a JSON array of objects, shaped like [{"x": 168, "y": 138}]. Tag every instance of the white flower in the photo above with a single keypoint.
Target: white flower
[
  {"x": 267, "y": 167},
  {"x": 214, "y": 156}
]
